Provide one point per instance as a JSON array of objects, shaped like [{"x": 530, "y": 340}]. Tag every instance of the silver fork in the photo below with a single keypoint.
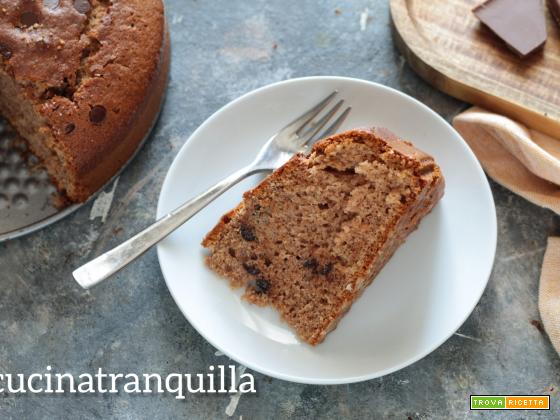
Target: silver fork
[{"x": 294, "y": 138}]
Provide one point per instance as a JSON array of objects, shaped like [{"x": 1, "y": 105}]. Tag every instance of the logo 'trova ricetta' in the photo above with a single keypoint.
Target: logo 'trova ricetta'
[{"x": 510, "y": 402}]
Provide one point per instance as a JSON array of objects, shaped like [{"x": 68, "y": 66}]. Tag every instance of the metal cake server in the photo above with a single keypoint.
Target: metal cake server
[{"x": 293, "y": 138}]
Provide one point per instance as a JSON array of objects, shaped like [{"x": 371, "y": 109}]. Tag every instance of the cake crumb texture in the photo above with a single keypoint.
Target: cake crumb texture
[{"x": 315, "y": 232}]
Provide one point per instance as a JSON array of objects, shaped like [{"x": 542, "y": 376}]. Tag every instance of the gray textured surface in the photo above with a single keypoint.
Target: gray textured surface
[{"x": 221, "y": 49}]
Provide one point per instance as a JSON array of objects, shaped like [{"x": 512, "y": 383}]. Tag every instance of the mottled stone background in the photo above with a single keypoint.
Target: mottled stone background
[{"x": 222, "y": 49}]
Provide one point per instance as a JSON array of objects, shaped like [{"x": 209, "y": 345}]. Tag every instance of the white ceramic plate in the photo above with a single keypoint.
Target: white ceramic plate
[{"x": 421, "y": 297}]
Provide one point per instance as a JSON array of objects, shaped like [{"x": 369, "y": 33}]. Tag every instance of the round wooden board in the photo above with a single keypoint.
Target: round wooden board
[{"x": 444, "y": 42}]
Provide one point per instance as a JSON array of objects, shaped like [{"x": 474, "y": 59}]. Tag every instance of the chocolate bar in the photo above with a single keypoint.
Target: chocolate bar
[{"x": 520, "y": 24}]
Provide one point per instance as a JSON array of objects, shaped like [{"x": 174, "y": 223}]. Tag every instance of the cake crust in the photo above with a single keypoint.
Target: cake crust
[
  {"x": 313, "y": 277},
  {"x": 91, "y": 75}
]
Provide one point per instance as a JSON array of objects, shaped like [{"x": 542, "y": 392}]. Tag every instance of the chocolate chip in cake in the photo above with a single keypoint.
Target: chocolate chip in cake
[
  {"x": 326, "y": 269},
  {"x": 323, "y": 206},
  {"x": 5, "y": 51},
  {"x": 82, "y": 6},
  {"x": 261, "y": 286},
  {"x": 311, "y": 263},
  {"x": 28, "y": 18},
  {"x": 251, "y": 269},
  {"x": 69, "y": 128},
  {"x": 97, "y": 114},
  {"x": 247, "y": 233}
]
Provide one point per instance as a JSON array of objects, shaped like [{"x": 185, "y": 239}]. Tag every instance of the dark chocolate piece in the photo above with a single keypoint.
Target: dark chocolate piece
[
  {"x": 554, "y": 7},
  {"x": 97, "y": 114},
  {"x": 251, "y": 269},
  {"x": 69, "y": 128},
  {"x": 261, "y": 286},
  {"x": 29, "y": 18},
  {"x": 520, "y": 24},
  {"x": 247, "y": 233},
  {"x": 311, "y": 263}
]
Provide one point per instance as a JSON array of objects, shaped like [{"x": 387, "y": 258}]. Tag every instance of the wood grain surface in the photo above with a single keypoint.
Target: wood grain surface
[{"x": 445, "y": 43}]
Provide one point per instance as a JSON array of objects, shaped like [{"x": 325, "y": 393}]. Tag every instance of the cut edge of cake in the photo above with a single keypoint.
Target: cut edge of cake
[{"x": 423, "y": 167}]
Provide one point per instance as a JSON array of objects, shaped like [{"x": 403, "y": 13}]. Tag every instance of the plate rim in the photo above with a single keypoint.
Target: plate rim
[{"x": 493, "y": 236}]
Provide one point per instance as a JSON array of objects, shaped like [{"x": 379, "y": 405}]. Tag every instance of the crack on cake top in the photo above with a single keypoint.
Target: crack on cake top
[
  {"x": 95, "y": 16},
  {"x": 32, "y": 36}
]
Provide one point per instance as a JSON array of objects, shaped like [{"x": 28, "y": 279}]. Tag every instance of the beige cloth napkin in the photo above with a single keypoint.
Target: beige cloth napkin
[{"x": 526, "y": 162}]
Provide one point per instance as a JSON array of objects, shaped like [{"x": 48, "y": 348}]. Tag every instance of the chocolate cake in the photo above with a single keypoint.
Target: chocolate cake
[
  {"x": 314, "y": 233},
  {"x": 82, "y": 81}
]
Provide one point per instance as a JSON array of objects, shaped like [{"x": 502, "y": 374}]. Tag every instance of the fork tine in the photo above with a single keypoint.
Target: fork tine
[
  {"x": 315, "y": 127},
  {"x": 302, "y": 120},
  {"x": 331, "y": 129}
]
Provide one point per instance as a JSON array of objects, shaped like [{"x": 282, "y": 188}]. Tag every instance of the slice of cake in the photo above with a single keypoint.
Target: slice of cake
[
  {"x": 314, "y": 233},
  {"x": 82, "y": 81}
]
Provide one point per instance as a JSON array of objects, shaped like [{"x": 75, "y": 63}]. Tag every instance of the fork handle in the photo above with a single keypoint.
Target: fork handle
[{"x": 114, "y": 260}]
